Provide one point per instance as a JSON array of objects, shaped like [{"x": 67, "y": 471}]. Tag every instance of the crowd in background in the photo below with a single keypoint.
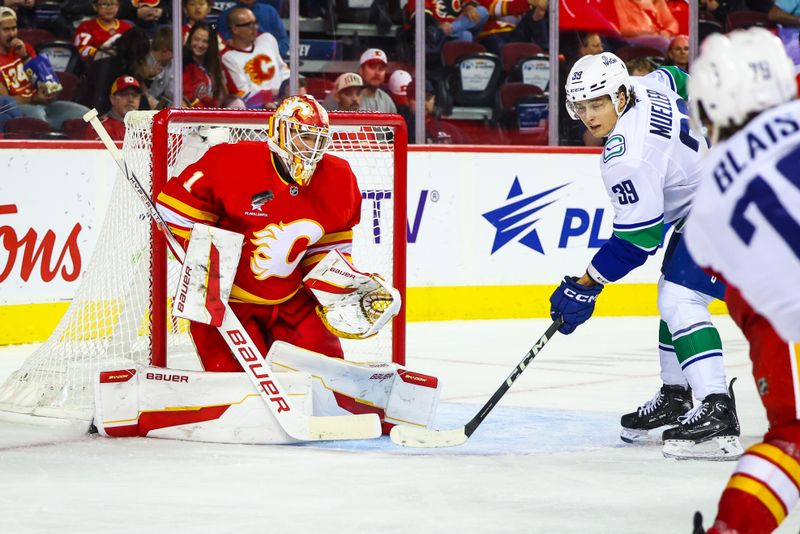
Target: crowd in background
[{"x": 119, "y": 57}]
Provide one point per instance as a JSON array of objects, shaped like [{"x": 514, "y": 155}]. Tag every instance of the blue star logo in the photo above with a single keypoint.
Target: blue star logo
[{"x": 510, "y": 220}]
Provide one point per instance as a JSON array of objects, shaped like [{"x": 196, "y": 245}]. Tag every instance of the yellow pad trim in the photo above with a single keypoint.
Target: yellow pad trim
[
  {"x": 778, "y": 457},
  {"x": 760, "y": 492}
]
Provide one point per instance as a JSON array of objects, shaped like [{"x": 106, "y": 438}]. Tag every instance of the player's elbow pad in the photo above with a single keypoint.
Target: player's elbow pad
[{"x": 615, "y": 259}]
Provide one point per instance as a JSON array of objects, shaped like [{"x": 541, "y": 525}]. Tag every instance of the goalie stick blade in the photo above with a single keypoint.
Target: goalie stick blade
[
  {"x": 409, "y": 436},
  {"x": 363, "y": 426}
]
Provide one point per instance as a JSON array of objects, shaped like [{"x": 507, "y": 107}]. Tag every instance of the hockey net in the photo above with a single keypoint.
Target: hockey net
[{"x": 120, "y": 313}]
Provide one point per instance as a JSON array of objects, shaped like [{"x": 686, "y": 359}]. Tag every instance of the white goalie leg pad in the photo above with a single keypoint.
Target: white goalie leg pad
[
  {"x": 398, "y": 395},
  {"x": 191, "y": 405},
  {"x": 207, "y": 274}
]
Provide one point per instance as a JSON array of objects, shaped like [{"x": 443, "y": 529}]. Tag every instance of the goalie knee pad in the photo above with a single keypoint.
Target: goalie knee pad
[{"x": 397, "y": 395}]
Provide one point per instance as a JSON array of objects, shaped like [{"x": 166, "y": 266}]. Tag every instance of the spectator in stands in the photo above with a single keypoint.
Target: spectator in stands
[
  {"x": 160, "y": 75},
  {"x": 203, "y": 86},
  {"x": 148, "y": 15},
  {"x": 447, "y": 18},
  {"x": 398, "y": 82},
  {"x": 514, "y": 21},
  {"x": 646, "y": 18},
  {"x": 128, "y": 55},
  {"x": 678, "y": 52},
  {"x": 285, "y": 90},
  {"x": 269, "y": 21},
  {"x": 14, "y": 82},
  {"x": 253, "y": 65},
  {"x": 436, "y": 131},
  {"x": 102, "y": 31},
  {"x": 785, "y": 12},
  {"x": 232, "y": 102},
  {"x": 373, "y": 72},
  {"x": 640, "y": 66},
  {"x": 346, "y": 95},
  {"x": 126, "y": 93},
  {"x": 194, "y": 11}
]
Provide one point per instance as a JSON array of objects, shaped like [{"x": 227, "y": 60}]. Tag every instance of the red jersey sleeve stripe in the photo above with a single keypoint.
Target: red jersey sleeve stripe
[{"x": 185, "y": 209}]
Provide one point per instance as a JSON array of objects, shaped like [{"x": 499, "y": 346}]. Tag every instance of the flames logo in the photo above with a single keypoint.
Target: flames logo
[
  {"x": 260, "y": 69},
  {"x": 303, "y": 111},
  {"x": 277, "y": 252}
]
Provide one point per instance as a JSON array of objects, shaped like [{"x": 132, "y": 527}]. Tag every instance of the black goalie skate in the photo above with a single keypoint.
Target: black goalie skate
[
  {"x": 669, "y": 403},
  {"x": 709, "y": 432}
]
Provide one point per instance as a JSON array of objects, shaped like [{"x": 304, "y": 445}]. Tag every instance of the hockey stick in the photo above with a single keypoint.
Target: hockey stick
[
  {"x": 410, "y": 436},
  {"x": 295, "y": 423}
]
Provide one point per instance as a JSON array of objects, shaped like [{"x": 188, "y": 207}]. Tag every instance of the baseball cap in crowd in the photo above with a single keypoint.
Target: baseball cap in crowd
[
  {"x": 139, "y": 3},
  {"x": 124, "y": 82},
  {"x": 373, "y": 54},
  {"x": 398, "y": 82},
  {"x": 7, "y": 13},
  {"x": 348, "y": 79}
]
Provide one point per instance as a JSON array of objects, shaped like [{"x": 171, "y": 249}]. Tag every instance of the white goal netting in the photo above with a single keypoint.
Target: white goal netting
[{"x": 112, "y": 321}]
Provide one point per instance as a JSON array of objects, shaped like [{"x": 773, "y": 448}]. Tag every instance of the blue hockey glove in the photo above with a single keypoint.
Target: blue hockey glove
[{"x": 574, "y": 302}]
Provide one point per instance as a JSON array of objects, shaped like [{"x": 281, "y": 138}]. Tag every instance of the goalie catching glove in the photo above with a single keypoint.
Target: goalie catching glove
[{"x": 352, "y": 304}]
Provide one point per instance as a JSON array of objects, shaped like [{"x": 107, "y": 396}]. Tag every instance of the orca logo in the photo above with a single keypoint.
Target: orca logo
[{"x": 515, "y": 217}]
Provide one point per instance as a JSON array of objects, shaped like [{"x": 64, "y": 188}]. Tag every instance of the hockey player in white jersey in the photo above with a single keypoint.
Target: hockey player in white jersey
[
  {"x": 745, "y": 226},
  {"x": 650, "y": 166}
]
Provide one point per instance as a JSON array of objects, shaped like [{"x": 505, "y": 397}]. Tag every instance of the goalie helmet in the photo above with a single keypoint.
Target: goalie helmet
[
  {"x": 300, "y": 134},
  {"x": 737, "y": 75},
  {"x": 594, "y": 76}
]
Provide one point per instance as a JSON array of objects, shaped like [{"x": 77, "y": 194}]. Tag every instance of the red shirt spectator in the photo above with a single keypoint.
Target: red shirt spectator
[
  {"x": 101, "y": 31},
  {"x": 12, "y": 71},
  {"x": 645, "y": 17},
  {"x": 126, "y": 94}
]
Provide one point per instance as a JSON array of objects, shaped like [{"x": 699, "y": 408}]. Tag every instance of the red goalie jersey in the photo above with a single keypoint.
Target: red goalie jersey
[{"x": 288, "y": 228}]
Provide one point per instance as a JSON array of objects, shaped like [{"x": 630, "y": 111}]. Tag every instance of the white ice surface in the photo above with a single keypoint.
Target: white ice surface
[{"x": 548, "y": 460}]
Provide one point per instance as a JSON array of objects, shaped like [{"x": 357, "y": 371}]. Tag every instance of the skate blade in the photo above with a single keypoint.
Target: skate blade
[
  {"x": 720, "y": 449},
  {"x": 643, "y": 437}
]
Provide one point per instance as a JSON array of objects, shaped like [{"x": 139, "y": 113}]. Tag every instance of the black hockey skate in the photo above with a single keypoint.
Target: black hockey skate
[
  {"x": 709, "y": 432},
  {"x": 669, "y": 403}
]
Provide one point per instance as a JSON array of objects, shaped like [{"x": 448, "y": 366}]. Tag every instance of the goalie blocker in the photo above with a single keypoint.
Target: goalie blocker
[{"x": 223, "y": 408}]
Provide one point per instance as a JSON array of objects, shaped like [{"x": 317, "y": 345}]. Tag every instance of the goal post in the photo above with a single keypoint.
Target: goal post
[{"x": 120, "y": 314}]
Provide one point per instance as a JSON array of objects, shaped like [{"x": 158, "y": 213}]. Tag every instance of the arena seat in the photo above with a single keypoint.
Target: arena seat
[
  {"x": 34, "y": 36},
  {"x": 63, "y": 56},
  {"x": 70, "y": 83},
  {"x": 75, "y": 128},
  {"x": 30, "y": 128},
  {"x": 522, "y": 111},
  {"x": 512, "y": 53},
  {"x": 452, "y": 51}
]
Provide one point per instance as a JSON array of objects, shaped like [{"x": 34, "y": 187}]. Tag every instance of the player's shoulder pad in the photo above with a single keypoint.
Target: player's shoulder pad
[
  {"x": 615, "y": 147},
  {"x": 673, "y": 77}
]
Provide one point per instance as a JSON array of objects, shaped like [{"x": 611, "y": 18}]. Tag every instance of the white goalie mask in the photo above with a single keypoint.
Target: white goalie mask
[
  {"x": 736, "y": 75},
  {"x": 300, "y": 134},
  {"x": 594, "y": 76}
]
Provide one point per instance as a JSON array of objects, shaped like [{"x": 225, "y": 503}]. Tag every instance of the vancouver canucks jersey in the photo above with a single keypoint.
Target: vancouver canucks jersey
[
  {"x": 745, "y": 220},
  {"x": 651, "y": 164}
]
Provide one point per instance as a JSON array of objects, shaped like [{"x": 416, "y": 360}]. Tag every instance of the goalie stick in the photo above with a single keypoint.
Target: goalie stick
[
  {"x": 410, "y": 436},
  {"x": 296, "y": 424}
]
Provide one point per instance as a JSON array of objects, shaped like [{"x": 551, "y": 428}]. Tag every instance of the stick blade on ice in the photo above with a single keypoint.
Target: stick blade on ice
[
  {"x": 363, "y": 426},
  {"x": 408, "y": 436}
]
